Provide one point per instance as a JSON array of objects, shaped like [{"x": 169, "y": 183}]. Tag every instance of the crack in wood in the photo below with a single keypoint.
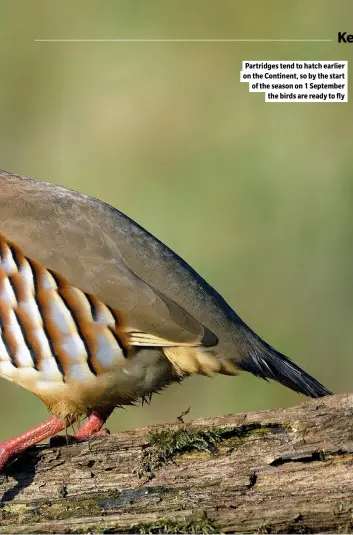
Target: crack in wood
[
  {"x": 315, "y": 456},
  {"x": 285, "y": 471}
]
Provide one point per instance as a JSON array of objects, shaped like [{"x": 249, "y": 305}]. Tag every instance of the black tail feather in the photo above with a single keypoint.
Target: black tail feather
[{"x": 264, "y": 361}]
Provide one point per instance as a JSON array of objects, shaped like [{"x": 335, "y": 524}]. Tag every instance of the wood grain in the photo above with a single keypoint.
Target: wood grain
[{"x": 278, "y": 471}]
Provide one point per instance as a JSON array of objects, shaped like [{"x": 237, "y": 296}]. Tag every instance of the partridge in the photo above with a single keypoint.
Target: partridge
[{"x": 97, "y": 313}]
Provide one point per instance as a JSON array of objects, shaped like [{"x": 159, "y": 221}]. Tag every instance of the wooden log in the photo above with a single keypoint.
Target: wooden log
[{"x": 279, "y": 471}]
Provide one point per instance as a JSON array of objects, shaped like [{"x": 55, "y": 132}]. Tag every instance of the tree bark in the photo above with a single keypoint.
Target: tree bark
[{"x": 278, "y": 471}]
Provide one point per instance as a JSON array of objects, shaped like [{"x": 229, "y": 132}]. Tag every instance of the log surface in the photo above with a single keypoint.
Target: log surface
[{"x": 278, "y": 471}]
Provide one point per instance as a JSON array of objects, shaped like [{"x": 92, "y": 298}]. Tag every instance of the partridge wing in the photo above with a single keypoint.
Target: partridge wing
[{"x": 56, "y": 227}]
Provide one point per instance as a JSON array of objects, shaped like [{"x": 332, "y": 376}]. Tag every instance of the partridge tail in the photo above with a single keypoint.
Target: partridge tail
[{"x": 264, "y": 361}]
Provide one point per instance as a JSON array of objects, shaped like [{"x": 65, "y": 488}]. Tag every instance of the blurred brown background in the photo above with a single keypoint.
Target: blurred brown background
[{"x": 256, "y": 197}]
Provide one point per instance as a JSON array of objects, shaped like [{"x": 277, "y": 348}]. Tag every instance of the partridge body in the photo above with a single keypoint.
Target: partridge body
[{"x": 95, "y": 312}]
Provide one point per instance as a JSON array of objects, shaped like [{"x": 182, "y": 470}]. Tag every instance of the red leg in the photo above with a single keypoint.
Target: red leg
[
  {"x": 13, "y": 447},
  {"x": 90, "y": 429},
  {"x": 93, "y": 426}
]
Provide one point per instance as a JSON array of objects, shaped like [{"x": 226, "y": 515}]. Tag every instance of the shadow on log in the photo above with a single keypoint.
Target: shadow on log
[{"x": 278, "y": 471}]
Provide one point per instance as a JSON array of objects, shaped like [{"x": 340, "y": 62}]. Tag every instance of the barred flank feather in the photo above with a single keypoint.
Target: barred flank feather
[{"x": 50, "y": 331}]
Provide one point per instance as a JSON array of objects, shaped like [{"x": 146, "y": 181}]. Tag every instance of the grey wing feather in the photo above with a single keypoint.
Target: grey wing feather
[{"x": 66, "y": 237}]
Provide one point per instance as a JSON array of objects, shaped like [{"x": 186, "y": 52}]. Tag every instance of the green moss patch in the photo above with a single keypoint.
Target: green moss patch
[{"x": 166, "y": 444}]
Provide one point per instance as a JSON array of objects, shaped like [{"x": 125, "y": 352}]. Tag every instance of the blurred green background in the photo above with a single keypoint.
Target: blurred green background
[{"x": 256, "y": 197}]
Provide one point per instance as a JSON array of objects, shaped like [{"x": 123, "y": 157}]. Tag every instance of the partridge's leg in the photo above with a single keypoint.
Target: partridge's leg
[
  {"x": 93, "y": 426},
  {"x": 13, "y": 447}
]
